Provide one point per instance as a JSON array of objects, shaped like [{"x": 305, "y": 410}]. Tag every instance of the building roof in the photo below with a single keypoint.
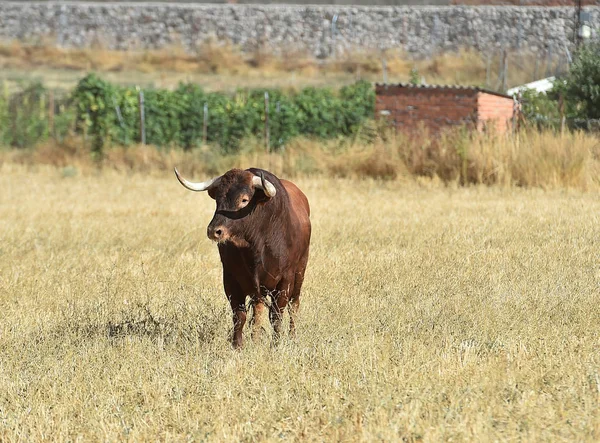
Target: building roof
[
  {"x": 459, "y": 87},
  {"x": 542, "y": 85}
]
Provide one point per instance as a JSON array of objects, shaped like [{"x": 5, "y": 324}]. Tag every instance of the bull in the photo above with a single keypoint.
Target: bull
[{"x": 262, "y": 229}]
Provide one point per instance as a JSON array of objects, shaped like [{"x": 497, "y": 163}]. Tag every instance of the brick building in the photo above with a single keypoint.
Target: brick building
[{"x": 436, "y": 107}]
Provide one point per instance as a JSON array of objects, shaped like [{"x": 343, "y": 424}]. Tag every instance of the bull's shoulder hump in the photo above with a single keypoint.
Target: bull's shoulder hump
[{"x": 297, "y": 197}]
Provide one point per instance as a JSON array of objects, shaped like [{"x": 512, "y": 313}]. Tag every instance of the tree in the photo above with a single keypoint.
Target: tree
[{"x": 582, "y": 88}]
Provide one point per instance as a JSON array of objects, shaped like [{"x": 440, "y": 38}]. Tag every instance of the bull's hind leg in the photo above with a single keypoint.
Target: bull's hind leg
[
  {"x": 280, "y": 298},
  {"x": 293, "y": 308},
  {"x": 295, "y": 295}
]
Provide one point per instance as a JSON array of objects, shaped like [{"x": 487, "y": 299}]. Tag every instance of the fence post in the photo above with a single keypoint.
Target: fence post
[
  {"x": 504, "y": 69},
  {"x": 278, "y": 110},
  {"x": 384, "y": 67},
  {"x": 561, "y": 110},
  {"x": 142, "y": 118},
  {"x": 488, "y": 65},
  {"x": 267, "y": 121},
  {"x": 395, "y": 118},
  {"x": 548, "y": 62},
  {"x": 118, "y": 111},
  {"x": 568, "y": 53},
  {"x": 205, "y": 124},
  {"x": 51, "y": 113},
  {"x": 514, "y": 117},
  {"x": 120, "y": 118},
  {"x": 333, "y": 33}
]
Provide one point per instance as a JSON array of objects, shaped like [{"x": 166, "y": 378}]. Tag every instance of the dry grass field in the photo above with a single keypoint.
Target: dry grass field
[
  {"x": 546, "y": 159},
  {"x": 224, "y": 67},
  {"x": 429, "y": 313}
]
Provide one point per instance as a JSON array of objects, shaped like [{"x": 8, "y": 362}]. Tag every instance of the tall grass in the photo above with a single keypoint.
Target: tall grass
[{"x": 531, "y": 159}]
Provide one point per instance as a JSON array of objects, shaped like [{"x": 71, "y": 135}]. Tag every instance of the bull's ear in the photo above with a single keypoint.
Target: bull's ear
[
  {"x": 267, "y": 187},
  {"x": 212, "y": 192}
]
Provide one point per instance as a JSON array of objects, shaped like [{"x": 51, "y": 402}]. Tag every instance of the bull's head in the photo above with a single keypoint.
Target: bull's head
[{"x": 237, "y": 194}]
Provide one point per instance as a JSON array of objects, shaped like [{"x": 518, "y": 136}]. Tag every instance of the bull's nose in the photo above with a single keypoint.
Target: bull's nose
[{"x": 216, "y": 233}]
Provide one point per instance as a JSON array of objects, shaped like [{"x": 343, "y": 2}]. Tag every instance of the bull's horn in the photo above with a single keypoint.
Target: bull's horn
[
  {"x": 265, "y": 185},
  {"x": 202, "y": 186}
]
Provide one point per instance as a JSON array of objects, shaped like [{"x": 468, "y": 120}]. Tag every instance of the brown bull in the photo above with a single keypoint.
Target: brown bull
[{"x": 262, "y": 229}]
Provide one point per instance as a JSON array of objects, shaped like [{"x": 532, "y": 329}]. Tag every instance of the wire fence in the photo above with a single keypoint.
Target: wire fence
[
  {"x": 36, "y": 116},
  {"x": 187, "y": 117},
  {"x": 572, "y": 123},
  {"x": 32, "y": 113}
]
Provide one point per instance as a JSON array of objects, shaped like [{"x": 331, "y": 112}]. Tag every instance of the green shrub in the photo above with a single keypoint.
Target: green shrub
[
  {"x": 582, "y": 86},
  {"x": 540, "y": 109},
  {"x": 109, "y": 114},
  {"x": 177, "y": 117},
  {"x": 27, "y": 117},
  {"x": 579, "y": 90}
]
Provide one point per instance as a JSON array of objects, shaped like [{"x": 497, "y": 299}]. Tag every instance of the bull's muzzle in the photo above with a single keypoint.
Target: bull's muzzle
[{"x": 218, "y": 233}]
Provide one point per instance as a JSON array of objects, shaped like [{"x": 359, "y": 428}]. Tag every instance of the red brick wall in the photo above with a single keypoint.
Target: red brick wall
[
  {"x": 494, "y": 111},
  {"x": 408, "y": 108},
  {"x": 435, "y": 108}
]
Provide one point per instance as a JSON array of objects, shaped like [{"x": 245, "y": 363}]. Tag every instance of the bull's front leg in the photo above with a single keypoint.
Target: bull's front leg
[
  {"x": 237, "y": 300},
  {"x": 239, "y": 320},
  {"x": 258, "y": 314}
]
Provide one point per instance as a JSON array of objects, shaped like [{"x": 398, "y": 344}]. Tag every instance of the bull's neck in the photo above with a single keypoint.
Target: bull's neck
[{"x": 274, "y": 223}]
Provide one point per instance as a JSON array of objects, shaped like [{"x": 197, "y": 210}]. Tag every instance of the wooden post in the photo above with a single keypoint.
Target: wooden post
[
  {"x": 118, "y": 111},
  {"x": 561, "y": 110},
  {"x": 277, "y": 111},
  {"x": 120, "y": 118},
  {"x": 267, "y": 122},
  {"x": 205, "y": 125},
  {"x": 514, "y": 118},
  {"x": 333, "y": 33},
  {"x": 384, "y": 67},
  {"x": 142, "y": 118},
  {"x": 578, "y": 25},
  {"x": 504, "y": 69},
  {"x": 548, "y": 62},
  {"x": 51, "y": 113},
  {"x": 488, "y": 66},
  {"x": 394, "y": 120}
]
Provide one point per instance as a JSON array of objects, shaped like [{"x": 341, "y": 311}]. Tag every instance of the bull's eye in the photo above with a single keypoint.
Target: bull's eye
[{"x": 244, "y": 202}]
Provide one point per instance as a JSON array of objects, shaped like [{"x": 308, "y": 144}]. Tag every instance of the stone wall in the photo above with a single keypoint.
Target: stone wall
[{"x": 417, "y": 30}]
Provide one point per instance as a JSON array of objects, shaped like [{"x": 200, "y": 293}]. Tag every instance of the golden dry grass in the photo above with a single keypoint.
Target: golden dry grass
[
  {"x": 225, "y": 67},
  {"x": 532, "y": 159},
  {"x": 429, "y": 313}
]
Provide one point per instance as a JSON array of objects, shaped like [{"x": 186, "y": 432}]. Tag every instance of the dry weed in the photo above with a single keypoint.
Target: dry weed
[
  {"x": 532, "y": 159},
  {"x": 225, "y": 59}
]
